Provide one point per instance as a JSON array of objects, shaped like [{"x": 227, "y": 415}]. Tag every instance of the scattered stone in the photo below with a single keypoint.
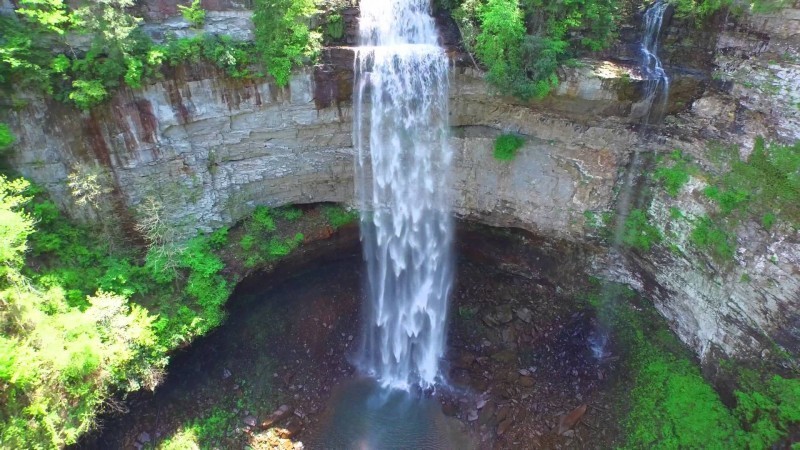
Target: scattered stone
[
  {"x": 502, "y": 413},
  {"x": 250, "y": 421},
  {"x": 464, "y": 361},
  {"x": 525, "y": 381},
  {"x": 481, "y": 403},
  {"x": 144, "y": 437},
  {"x": 524, "y": 372},
  {"x": 524, "y": 314},
  {"x": 449, "y": 409},
  {"x": 226, "y": 374},
  {"x": 279, "y": 414},
  {"x": 486, "y": 414},
  {"x": 472, "y": 415},
  {"x": 292, "y": 428},
  {"x": 568, "y": 421},
  {"x": 503, "y": 426},
  {"x": 512, "y": 377},
  {"x": 505, "y": 356},
  {"x": 499, "y": 316},
  {"x": 508, "y": 335}
]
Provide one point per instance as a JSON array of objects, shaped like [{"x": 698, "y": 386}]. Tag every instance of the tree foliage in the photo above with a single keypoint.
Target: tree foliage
[
  {"x": 35, "y": 51},
  {"x": 283, "y": 37},
  {"x": 522, "y": 45},
  {"x": 59, "y": 362}
]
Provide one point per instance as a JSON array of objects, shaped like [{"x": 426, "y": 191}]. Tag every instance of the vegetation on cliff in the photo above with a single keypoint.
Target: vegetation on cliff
[
  {"x": 523, "y": 44},
  {"x": 507, "y": 145},
  {"x": 763, "y": 188},
  {"x": 671, "y": 404},
  {"x": 81, "y": 55},
  {"x": 85, "y": 319}
]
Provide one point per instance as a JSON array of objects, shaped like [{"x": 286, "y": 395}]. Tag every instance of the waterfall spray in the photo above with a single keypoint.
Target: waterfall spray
[
  {"x": 400, "y": 133},
  {"x": 656, "y": 94}
]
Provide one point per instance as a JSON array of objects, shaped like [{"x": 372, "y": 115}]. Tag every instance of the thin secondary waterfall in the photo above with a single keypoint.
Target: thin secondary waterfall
[
  {"x": 656, "y": 79},
  {"x": 656, "y": 94},
  {"x": 400, "y": 134}
]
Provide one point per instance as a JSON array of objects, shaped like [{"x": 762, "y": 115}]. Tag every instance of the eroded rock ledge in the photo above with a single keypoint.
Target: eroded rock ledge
[{"x": 209, "y": 149}]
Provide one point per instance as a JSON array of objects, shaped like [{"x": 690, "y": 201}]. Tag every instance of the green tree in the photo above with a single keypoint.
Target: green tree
[{"x": 282, "y": 35}]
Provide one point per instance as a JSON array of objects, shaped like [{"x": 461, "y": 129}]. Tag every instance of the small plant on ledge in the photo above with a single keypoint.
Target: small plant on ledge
[
  {"x": 194, "y": 14},
  {"x": 506, "y": 146}
]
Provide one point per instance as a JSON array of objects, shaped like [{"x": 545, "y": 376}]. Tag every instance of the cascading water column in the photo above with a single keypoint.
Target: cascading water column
[
  {"x": 402, "y": 166},
  {"x": 656, "y": 79},
  {"x": 656, "y": 86}
]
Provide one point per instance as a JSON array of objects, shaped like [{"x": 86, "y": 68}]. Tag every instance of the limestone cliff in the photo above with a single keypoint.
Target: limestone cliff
[{"x": 209, "y": 149}]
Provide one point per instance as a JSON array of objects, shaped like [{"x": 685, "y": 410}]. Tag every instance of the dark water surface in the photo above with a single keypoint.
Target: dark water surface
[
  {"x": 363, "y": 415},
  {"x": 288, "y": 334}
]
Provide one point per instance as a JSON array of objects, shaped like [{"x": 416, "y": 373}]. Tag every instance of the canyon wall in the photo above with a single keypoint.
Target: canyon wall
[{"x": 207, "y": 149}]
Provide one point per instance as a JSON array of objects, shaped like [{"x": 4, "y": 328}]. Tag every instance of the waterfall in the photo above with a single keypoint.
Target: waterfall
[
  {"x": 400, "y": 133},
  {"x": 656, "y": 79},
  {"x": 656, "y": 86}
]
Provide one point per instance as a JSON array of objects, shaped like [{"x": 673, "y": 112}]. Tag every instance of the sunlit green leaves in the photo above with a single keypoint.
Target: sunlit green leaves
[
  {"x": 6, "y": 137},
  {"x": 283, "y": 37},
  {"x": 52, "y": 15}
]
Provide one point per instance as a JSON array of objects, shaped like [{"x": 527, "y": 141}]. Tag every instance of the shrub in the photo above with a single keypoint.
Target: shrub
[
  {"x": 87, "y": 93},
  {"x": 6, "y": 137},
  {"x": 671, "y": 404},
  {"x": 499, "y": 43},
  {"x": 276, "y": 248},
  {"x": 282, "y": 37},
  {"x": 290, "y": 213},
  {"x": 710, "y": 237},
  {"x": 262, "y": 219},
  {"x": 698, "y": 9},
  {"x": 247, "y": 242},
  {"x": 673, "y": 177},
  {"x": 194, "y": 14},
  {"x": 769, "y": 408},
  {"x": 218, "y": 238},
  {"x": 119, "y": 51},
  {"x": 522, "y": 64},
  {"x": 334, "y": 28},
  {"x": 767, "y": 220},
  {"x": 506, "y": 146},
  {"x": 767, "y": 183},
  {"x": 638, "y": 233},
  {"x": 184, "y": 439},
  {"x": 199, "y": 259},
  {"x": 338, "y": 216}
]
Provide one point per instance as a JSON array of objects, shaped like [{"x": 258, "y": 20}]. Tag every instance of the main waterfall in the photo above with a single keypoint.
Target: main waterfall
[{"x": 400, "y": 133}]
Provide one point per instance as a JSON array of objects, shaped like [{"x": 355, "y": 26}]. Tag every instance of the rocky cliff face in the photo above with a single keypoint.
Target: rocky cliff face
[{"x": 208, "y": 149}]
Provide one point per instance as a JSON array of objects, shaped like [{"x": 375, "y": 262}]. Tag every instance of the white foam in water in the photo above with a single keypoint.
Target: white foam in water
[{"x": 402, "y": 173}]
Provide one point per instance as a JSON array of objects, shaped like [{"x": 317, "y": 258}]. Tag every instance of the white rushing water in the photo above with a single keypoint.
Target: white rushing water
[
  {"x": 402, "y": 173},
  {"x": 657, "y": 81}
]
